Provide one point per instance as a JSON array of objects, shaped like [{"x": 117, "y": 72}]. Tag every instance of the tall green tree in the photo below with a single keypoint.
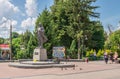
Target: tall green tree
[
  {"x": 59, "y": 24},
  {"x": 15, "y": 47},
  {"x": 31, "y": 46},
  {"x": 97, "y": 36},
  {"x": 79, "y": 13},
  {"x": 70, "y": 20}
]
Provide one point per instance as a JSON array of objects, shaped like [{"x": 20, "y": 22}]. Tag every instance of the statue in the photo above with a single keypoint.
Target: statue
[
  {"x": 40, "y": 53},
  {"x": 41, "y": 36}
]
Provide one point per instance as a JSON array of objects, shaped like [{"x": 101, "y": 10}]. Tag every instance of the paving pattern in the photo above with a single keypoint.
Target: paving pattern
[{"x": 7, "y": 72}]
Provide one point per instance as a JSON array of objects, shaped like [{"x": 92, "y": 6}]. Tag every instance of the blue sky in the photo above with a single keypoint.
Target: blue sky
[
  {"x": 109, "y": 13},
  {"x": 23, "y": 13}
]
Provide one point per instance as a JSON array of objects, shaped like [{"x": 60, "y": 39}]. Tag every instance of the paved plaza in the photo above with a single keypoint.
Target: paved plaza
[{"x": 83, "y": 70}]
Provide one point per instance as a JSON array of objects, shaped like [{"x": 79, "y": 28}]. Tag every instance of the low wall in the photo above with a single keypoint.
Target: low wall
[{"x": 63, "y": 60}]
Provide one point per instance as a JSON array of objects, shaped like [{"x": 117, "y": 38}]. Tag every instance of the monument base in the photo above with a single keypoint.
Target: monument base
[{"x": 39, "y": 54}]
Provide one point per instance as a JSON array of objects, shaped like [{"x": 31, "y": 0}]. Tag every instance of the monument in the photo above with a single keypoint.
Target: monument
[{"x": 40, "y": 53}]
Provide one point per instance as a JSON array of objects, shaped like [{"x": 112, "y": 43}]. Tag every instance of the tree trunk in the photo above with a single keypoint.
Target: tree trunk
[{"x": 79, "y": 48}]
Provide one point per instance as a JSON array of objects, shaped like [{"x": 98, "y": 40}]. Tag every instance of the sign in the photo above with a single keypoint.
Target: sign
[
  {"x": 59, "y": 52},
  {"x": 4, "y": 46}
]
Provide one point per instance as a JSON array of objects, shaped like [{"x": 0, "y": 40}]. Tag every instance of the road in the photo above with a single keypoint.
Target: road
[{"x": 106, "y": 74}]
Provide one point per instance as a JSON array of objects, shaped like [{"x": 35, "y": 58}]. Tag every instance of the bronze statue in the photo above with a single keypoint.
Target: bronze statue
[{"x": 41, "y": 36}]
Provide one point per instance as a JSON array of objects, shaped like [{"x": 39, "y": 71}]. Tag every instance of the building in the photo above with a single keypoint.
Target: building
[{"x": 5, "y": 51}]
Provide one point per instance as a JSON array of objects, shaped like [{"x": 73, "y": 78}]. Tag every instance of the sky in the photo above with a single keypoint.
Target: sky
[
  {"x": 109, "y": 13},
  {"x": 22, "y": 14}
]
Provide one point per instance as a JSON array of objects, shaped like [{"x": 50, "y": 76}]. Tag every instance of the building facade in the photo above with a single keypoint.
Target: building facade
[{"x": 5, "y": 51}]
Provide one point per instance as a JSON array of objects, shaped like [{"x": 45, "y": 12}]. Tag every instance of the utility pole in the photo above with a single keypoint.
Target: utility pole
[{"x": 10, "y": 41}]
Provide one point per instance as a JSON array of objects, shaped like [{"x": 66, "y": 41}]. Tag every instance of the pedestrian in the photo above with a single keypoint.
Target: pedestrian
[
  {"x": 95, "y": 56},
  {"x": 86, "y": 59},
  {"x": 115, "y": 57},
  {"x": 111, "y": 57},
  {"x": 106, "y": 57}
]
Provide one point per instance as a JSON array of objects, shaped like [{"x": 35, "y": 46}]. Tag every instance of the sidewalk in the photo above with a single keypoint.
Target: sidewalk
[{"x": 50, "y": 73}]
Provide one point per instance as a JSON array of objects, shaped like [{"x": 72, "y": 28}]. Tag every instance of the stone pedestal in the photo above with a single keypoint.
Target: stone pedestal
[{"x": 39, "y": 54}]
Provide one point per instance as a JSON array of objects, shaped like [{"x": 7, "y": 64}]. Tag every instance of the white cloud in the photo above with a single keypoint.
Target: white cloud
[
  {"x": 31, "y": 8},
  {"x": 5, "y": 26},
  {"x": 14, "y": 23},
  {"x": 28, "y": 23},
  {"x": 4, "y": 34},
  {"x": 4, "y": 19},
  {"x": 5, "y": 23},
  {"x": 31, "y": 12},
  {"x": 7, "y": 8},
  {"x": 20, "y": 31}
]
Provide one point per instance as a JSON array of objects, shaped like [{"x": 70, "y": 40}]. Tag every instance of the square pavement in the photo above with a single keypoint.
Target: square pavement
[{"x": 81, "y": 71}]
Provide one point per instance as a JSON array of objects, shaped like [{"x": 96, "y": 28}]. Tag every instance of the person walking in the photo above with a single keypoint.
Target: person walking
[
  {"x": 115, "y": 57},
  {"x": 106, "y": 57},
  {"x": 111, "y": 57}
]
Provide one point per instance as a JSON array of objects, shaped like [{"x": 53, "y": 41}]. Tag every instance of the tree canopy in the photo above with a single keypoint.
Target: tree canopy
[
  {"x": 67, "y": 23},
  {"x": 69, "y": 20}
]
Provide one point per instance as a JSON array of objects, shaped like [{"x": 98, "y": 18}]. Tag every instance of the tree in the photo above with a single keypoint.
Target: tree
[
  {"x": 15, "y": 47},
  {"x": 2, "y": 40},
  {"x": 79, "y": 12},
  {"x": 25, "y": 37},
  {"x": 15, "y": 35},
  {"x": 59, "y": 24},
  {"x": 31, "y": 46},
  {"x": 97, "y": 36},
  {"x": 23, "y": 45},
  {"x": 113, "y": 42},
  {"x": 70, "y": 20},
  {"x": 73, "y": 49}
]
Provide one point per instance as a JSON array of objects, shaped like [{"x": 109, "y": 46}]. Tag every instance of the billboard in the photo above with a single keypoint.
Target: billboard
[{"x": 58, "y": 52}]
